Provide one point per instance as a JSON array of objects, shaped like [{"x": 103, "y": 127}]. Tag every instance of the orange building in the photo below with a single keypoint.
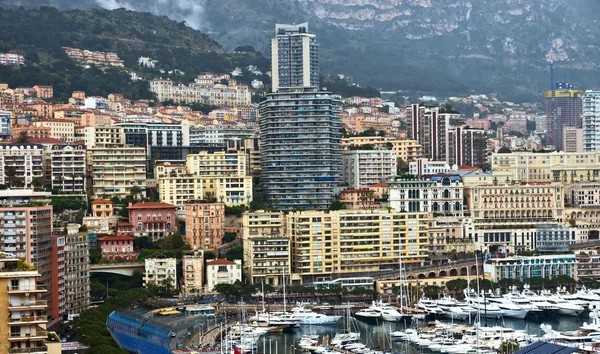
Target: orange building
[
  {"x": 204, "y": 223},
  {"x": 43, "y": 109},
  {"x": 33, "y": 132},
  {"x": 44, "y": 91}
]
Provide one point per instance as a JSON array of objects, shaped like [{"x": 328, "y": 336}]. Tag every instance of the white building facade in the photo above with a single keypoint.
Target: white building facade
[
  {"x": 222, "y": 271},
  {"x": 440, "y": 194},
  {"x": 363, "y": 168}
]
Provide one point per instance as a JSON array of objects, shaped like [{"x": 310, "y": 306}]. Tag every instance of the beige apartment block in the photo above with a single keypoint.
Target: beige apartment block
[
  {"x": 349, "y": 243},
  {"x": 115, "y": 170},
  {"x": 266, "y": 247}
]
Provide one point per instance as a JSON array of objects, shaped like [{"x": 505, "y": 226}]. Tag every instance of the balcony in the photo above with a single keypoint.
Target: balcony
[
  {"x": 28, "y": 320},
  {"x": 40, "y": 334},
  {"x": 24, "y": 289},
  {"x": 29, "y": 350},
  {"x": 28, "y": 305}
]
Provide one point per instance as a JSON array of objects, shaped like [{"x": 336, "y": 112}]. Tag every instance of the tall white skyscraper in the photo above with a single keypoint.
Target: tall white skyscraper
[
  {"x": 294, "y": 57},
  {"x": 591, "y": 121},
  {"x": 300, "y": 127}
]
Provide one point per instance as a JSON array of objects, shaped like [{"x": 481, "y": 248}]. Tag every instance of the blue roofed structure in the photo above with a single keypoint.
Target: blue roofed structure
[
  {"x": 546, "y": 348},
  {"x": 138, "y": 336}
]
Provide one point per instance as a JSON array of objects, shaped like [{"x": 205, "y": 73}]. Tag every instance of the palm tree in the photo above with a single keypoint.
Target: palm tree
[{"x": 37, "y": 183}]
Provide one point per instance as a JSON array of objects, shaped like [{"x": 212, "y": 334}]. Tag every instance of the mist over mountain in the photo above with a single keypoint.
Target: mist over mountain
[{"x": 436, "y": 46}]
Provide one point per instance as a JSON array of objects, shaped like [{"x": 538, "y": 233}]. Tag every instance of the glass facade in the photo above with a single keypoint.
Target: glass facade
[{"x": 301, "y": 148}]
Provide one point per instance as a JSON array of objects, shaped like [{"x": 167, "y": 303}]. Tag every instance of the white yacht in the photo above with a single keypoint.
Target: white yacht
[
  {"x": 368, "y": 314},
  {"x": 386, "y": 312},
  {"x": 540, "y": 301},
  {"x": 588, "y": 296},
  {"x": 572, "y": 298},
  {"x": 516, "y": 298},
  {"x": 586, "y": 333},
  {"x": 263, "y": 318},
  {"x": 509, "y": 308},
  {"x": 309, "y": 317},
  {"x": 565, "y": 307},
  {"x": 430, "y": 307},
  {"x": 453, "y": 310},
  {"x": 483, "y": 305}
]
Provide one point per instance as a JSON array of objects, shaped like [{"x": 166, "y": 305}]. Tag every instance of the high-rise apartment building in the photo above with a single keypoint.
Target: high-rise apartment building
[
  {"x": 205, "y": 226},
  {"x": 21, "y": 164},
  {"x": 432, "y": 130},
  {"x": 468, "y": 147},
  {"x": 5, "y": 125},
  {"x": 77, "y": 273},
  {"x": 67, "y": 167},
  {"x": 363, "y": 168},
  {"x": 300, "y": 148},
  {"x": 23, "y": 315},
  {"x": 26, "y": 232},
  {"x": 327, "y": 245},
  {"x": 573, "y": 140},
  {"x": 193, "y": 272},
  {"x": 591, "y": 121},
  {"x": 115, "y": 170},
  {"x": 266, "y": 247},
  {"x": 57, "y": 301},
  {"x": 563, "y": 109},
  {"x": 294, "y": 57}
]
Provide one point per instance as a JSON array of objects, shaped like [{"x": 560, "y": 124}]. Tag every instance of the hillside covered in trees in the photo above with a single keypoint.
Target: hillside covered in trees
[{"x": 39, "y": 35}]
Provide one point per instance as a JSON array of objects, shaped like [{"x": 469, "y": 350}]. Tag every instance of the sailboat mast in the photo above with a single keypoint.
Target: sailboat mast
[
  {"x": 283, "y": 290},
  {"x": 400, "y": 278}
]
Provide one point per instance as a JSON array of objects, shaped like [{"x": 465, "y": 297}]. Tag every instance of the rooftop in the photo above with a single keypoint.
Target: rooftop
[
  {"x": 220, "y": 262},
  {"x": 151, "y": 205}
]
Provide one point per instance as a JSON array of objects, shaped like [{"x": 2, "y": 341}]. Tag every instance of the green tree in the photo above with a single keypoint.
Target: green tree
[
  {"x": 23, "y": 137},
  {"x": 505, "y": 284},
  {"x": 565, "y": 281},
  {"x": 589, "y": 283},
  {"x": 402, "y": 167},
  {"x": 229, "y": 237},
  {"x": 230, "y": 290},
  {"x": 37, "y": 183},
  {"x": 536, "y": 283},
  {"x": 337, "y": 205},
  {"x": 235, "y": 253},
  {"x": 457, "y": 286},
  {"x": 95, "y": 255},
  {"x": 135, "y": 192},
  {"x": 432, "y": 291},
  {"x": 509, "y": 346},
  {"x": 484, "y": 285}
]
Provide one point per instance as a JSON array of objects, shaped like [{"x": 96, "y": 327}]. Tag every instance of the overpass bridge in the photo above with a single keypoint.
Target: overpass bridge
[{"x": 125, "y": 268}]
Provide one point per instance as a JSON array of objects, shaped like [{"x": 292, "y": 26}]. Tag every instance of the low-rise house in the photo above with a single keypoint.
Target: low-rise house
[{"x": 222, "y": 271}]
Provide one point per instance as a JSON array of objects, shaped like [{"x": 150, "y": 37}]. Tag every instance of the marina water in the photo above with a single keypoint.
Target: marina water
[{"x": 378, "y": 335}]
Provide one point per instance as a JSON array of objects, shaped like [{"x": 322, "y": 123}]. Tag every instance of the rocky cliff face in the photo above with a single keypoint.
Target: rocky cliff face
[{"x": 438, "y": 46}]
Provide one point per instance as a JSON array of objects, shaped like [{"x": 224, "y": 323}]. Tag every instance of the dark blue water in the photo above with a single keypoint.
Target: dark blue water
[{"x": 378, "y": 336}]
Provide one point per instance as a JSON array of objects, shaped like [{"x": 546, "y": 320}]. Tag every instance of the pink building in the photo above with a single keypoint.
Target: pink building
[
  {"x": 118, "y": 248},
  {"x": 478, "y": 123},
  {"x": 154, "y": 220}
]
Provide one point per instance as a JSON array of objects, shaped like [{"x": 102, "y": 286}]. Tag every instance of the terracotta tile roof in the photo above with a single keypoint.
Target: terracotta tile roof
[
  {"x": 124, "y": 223},
  {"x": 357, "y": 191},
  {"x": 380, "y": 185},
  {"x": 101, "y": 201},
  {"x": 151, "y": 205},
  {"x": 42, "y": 141},
  {"x": 220, "y": 262},
  {"x": 116, "y": 238}
]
